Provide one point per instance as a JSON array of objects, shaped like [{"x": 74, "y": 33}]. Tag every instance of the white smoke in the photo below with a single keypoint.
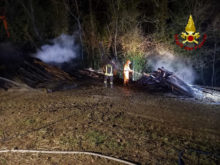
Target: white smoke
[
  {"x": 63, "y": 49},
  {"x": 179, "y": 66}
]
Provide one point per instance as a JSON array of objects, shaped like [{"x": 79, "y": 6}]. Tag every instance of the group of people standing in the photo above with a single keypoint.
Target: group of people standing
[{"x": 109, "y": 72}]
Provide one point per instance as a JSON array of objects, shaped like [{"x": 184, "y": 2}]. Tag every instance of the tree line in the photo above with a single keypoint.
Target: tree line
[{"x": 119, "y": 29}]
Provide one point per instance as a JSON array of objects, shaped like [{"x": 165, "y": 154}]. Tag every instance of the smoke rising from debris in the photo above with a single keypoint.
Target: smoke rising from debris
[
  {"x": 179, "y": 66},
  {"x": 63, "y": 49}
]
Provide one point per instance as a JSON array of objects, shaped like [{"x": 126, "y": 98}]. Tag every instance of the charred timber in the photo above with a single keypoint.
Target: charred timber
[{"x": 166, "y": 79}]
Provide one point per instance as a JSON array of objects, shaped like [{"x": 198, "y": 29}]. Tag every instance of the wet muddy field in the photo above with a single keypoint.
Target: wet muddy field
[{"x": 133, "y": 125}]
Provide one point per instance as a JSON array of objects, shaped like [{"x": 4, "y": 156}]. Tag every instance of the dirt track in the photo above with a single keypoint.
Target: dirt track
[{"x": 128, "y": 124}]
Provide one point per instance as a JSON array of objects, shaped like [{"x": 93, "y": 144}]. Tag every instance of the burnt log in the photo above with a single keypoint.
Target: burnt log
[
  {"x": 37, "y": 74},
  {"x": 163, "y": 78}
]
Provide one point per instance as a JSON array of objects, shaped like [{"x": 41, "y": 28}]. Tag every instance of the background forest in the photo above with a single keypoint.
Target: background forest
[{"x": 119, "y": 29}]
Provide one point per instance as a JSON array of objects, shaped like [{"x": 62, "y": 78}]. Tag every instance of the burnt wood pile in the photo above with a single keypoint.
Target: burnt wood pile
[
  {"x": 37, "y": 74},
  {"x": 164, "y": 79},
  {"x": 160, "y": 80}
]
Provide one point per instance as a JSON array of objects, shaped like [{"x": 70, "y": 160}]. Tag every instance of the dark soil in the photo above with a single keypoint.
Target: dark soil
[{"x": 120, "y": 122}]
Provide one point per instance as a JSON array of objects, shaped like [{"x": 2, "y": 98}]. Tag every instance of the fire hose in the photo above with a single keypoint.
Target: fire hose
[{"x": 69, "y": 152}]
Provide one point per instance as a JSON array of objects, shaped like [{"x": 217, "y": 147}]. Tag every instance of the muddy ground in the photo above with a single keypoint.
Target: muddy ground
[{"x": 134, "y": 125}]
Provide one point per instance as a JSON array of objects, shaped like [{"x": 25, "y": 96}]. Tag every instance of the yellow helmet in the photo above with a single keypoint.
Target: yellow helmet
[{"x": 128, "y": 62}]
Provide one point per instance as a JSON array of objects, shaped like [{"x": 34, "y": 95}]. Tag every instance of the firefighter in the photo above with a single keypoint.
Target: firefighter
[
  {"x": 108, "y": 70},
  {"x": 127, "y": 71}
]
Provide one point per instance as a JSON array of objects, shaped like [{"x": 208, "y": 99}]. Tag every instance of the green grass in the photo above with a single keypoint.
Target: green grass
[
  {"x": 96, "y": 138},
  {"x": 3, "y": 161},
  {"x": 69, "y": 141}
]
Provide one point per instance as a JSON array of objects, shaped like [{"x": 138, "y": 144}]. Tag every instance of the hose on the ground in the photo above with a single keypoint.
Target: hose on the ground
[{"x": 69, "y": 152}]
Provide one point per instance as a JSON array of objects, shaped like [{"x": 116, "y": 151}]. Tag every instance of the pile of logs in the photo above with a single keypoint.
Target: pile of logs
[
  {"x": 163, "y": 78},
  {"x": 37, "y": 74}
]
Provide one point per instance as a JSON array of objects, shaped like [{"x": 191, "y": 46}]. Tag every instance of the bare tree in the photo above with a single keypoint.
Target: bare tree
[
  {"x": 115, "y": 11},
  {"x": 92, "y": 29},
  {"x": 213, "y": 65},
  {"x": 77, "y": 19},
  {"x": 214, "y": 51},
  {"x": 30, "y": 13},
  {"x": 80, "y": 28}
]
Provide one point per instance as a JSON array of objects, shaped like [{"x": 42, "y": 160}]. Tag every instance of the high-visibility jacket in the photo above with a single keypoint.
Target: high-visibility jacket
[
  {"x": 109, "y": 70},
  {"x": 127, "y": 70}
]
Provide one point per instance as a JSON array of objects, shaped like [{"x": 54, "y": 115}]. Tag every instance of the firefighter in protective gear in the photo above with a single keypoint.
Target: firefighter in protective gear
[
  {"x": 127, "y": 71},
  {"x": 108, "y": 70}
]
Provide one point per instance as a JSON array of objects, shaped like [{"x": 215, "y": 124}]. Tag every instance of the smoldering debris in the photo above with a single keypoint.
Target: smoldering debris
[
  {"x": 181, "y": 67},
  {"x": 162, "y": 79}
]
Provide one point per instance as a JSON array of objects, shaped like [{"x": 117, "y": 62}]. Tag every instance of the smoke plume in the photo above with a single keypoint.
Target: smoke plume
[
  {"x": 179, "y": 66},
  {"x": 62, "y": 49}
]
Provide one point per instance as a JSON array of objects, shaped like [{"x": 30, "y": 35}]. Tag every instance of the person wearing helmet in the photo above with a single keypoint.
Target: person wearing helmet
[
  {"x": 127, "y": 71},
  {"x": 108, "y": 70}
]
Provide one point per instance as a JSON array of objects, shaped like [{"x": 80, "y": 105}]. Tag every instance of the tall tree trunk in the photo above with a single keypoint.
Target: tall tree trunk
[
  {"x": 80, "y": 28},
  {"x": 32, "y": 18},
  {"x": 33, "y": 21},
  {"x": 115, "y": 42},
  {"x": 213, "y": 65},
  {"x": 115, "y": 8},
  {"x": 77, "y": 18},
  {"x": 92, "y": 31},
  {"x": 163, "y": 15},
  {"x": 203, "y": 79}
]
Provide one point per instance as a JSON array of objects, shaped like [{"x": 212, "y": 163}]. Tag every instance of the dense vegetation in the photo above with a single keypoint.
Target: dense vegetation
[{"x": 118, "y": 28}]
